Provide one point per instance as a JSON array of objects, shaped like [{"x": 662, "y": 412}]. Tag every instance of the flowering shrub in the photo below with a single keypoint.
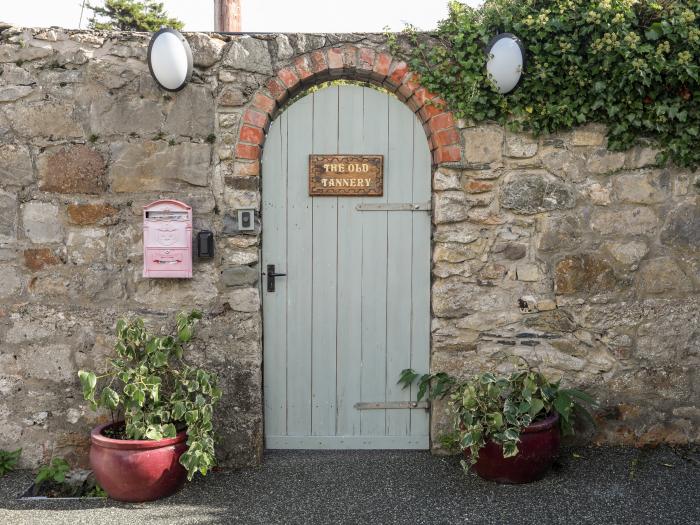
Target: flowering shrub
[{"x": 630, "y": 64}]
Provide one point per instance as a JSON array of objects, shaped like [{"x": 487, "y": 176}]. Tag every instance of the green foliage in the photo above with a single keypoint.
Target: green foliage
[
  {"x": 157, "y": 391},
  {"x": 630, "y": 64},
  {"x": 95, "y": 492},
  {"x": 8, "y": 460},
  {"x": 55, "y": 472},
  {"x": 498, "y": 407},
  {"x": 131, "y": 15}
]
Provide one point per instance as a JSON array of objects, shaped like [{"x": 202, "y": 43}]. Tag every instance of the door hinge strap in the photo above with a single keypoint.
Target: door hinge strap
[
  {"x": 395, "y": 206},
  {"x": 392, "y": 404}
]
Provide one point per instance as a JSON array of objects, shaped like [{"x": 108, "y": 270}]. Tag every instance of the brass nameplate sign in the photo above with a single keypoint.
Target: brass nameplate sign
[{"x": 354, "y": 175}]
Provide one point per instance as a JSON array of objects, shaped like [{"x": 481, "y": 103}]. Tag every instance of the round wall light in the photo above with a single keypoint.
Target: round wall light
[
  {"x": 170, "y": 59},
  {"x": 506, "y": 61}
]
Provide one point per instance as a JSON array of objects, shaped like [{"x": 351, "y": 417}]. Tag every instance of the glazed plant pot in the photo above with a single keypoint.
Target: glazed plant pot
[
  {"x": 137, "y": 470},
  {"x": 537, "y": 450}
]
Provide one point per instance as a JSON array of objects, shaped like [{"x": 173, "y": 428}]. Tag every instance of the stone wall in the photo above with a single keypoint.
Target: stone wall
[
  {"x": 583, "y": 262},
  {"x": 580, "y": 260}
]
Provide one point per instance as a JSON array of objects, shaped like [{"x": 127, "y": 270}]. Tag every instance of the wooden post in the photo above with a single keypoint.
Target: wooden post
[{"x": 227, "y": 16}]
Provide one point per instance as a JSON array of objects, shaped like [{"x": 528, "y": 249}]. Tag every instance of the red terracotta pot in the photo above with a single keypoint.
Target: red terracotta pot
[
  {"x": 137, "y": 470},
  {"x": 537, "y": 450}
]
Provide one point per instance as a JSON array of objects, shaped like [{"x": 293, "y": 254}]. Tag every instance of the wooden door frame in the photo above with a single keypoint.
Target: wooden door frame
[{"x": 375, "y": 70}]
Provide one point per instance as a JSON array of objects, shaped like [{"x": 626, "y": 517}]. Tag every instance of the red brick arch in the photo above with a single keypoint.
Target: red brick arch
[{"x": 352, "y": 63}]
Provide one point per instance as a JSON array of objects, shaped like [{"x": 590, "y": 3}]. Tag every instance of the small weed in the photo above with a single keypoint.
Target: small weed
[
  {"x": 211, "y": 138},
  {"x": 8, "y": 460},
  {"x": 55, "y": 471},
  {"x": 93, "y": 138},
  {"x": 171, "y": 142}
]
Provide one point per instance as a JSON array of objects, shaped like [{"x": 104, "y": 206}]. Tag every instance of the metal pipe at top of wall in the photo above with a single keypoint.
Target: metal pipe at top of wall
[{"x": 227, "y": 16}]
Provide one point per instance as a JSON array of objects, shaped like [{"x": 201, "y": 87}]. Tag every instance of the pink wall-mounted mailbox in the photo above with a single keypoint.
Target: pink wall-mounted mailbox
[{"x": 167, "y": 239}]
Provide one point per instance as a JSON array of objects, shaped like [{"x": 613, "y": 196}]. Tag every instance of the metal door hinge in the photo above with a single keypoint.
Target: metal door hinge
[
  {"x": 392, "y": 404},
  {"x": 395, "y": 206}
]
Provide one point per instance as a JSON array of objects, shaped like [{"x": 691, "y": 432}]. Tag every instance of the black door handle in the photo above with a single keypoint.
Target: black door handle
[{"x": 271, "y": 277}]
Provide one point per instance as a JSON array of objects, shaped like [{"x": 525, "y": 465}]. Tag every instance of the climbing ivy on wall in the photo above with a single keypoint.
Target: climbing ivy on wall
[{"x": 630, "y": 64}]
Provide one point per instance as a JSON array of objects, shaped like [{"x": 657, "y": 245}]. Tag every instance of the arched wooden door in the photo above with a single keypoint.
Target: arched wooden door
[{"x": 353, "y": 309}]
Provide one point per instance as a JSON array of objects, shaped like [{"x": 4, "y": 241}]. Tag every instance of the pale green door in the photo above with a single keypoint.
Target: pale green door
[{"x": 354, "y": 307}]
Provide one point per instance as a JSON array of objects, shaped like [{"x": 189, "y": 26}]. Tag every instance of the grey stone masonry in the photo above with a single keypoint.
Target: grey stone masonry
[{"x": 583, "y": 261}]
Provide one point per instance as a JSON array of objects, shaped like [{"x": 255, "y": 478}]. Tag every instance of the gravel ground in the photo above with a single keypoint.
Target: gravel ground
[{"x": 587, "y": 485}]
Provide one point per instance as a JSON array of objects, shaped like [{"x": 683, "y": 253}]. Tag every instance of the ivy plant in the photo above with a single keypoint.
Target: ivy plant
[
  {"x": 498, "y": 407},
  {"x": 156, "y": 391},
  {"x": 630, "y": 64},
  {"x": 8, "y": 460}
]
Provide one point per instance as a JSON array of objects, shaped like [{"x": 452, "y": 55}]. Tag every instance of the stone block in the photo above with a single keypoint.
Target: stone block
[
  {"x": 599, "y": 195},
  {"x": 41, "y": 222},
  {"x": 682, "y": 227},
  {"x": 520, "y": 146},
  {"x": 603, "y": 161},
  {"x": 12, "y": 283},
  {"x": 583, "y": 273},
  {"x": 628, "y": 253},
  {"x": 477, "y": 186},
  {"x": 244, "y": 299},
  {"x": 450, "y": 206},
  {"x": 285, "y": 51},
  {"x": 44, "y": 119},
  {"x": 668, "y": 333},
  {"x": 178, "y": 293},
  {"x": 206, "y": 50},
  {"x": 483, "y": 145},
  {"x": 239, "y": 276},
  {"x": 16, "y": 75},
  {"x": 86, "y": 245},
  {"x": 590, "y": 135},
  {"x": 74, "y": 169},
  {"x": 563, "y": 163},
  {"x": 662, "y": 275},
  {"x": 14, "y": 93},
  {"x": 624, "y": 221},
  {"x": 513, "y": 251},
  {"x": 232, "y": 97},
  {"x": 8, "y": 217},
  {"x": 192, "y": 113},
  {"x": 640, "y": 188},
  {"x": 641, "y": 157},
  {"x": 124, "y": 115},
  {"x": 527, "y": 272},
  {"x": 82, "y": 214},
  {"x": 446, "y": 179},
  {"x": 248, "y": 53},
  {"x": 15, "y": 165},
  {"x": 530, "y": 193},
  {"x": 39, "y": 258},
  {"x": 157, "y": 166}
]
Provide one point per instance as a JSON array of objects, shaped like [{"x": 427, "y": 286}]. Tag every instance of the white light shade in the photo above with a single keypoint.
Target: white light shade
[
  {"x": 506, "y": 62},
  {"x": 170, "y": 59}
]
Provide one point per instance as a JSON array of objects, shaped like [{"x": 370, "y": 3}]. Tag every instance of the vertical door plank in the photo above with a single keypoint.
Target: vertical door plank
[
  {"x": 420, "y": 267},
  {"x": 275, "y": 252},
  {"x": 374, "y": 272},
  {"x": 399, "y": 181},
  {"x": 299, "y": 271},
  {"x": 350, "y": 128},
  {"x": 325, "y": 265}
]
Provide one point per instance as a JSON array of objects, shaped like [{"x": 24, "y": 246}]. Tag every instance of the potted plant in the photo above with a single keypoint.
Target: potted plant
[
  {"x": 507, "y": 425},
  {"x": 161, "y": 426}
]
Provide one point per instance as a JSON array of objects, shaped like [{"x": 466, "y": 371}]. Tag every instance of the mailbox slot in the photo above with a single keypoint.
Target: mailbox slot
[{"x": 167, "y": 240}]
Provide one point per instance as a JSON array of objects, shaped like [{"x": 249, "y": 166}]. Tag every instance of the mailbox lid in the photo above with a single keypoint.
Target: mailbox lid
[
  {"x": 167, "y": 205},
  {"x": 167, "y": 223}
]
